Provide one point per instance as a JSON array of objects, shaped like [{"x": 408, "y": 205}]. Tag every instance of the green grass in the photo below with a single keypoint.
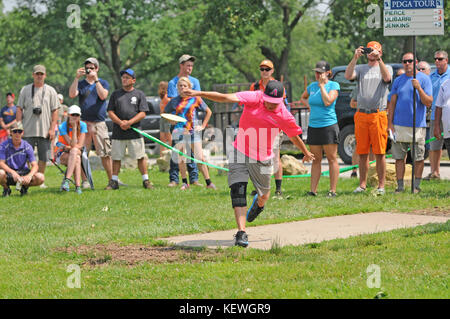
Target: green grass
[{"x": 413, "y": 262}]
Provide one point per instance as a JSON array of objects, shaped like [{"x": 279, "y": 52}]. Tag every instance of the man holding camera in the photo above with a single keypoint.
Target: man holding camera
[
  {"x": 370, "y": 118},
  {"x": 92, "y": 93},
  {"x": 37, "y": 109}
]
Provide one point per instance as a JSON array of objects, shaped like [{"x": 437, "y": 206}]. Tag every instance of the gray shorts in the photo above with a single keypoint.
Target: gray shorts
[
  {"x": 400, "y": 149},
  {"x": 242, "y": 167},
  {"x": 43, "y": 147},
  {"x": 437, "y": 144}
]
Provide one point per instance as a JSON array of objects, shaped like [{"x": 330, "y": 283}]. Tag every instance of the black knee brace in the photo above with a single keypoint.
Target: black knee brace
[{"x": 238, "y": 192}]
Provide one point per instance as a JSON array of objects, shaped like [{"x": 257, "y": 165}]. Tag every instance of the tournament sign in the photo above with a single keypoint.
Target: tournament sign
[{"x": 413, "y": 17}]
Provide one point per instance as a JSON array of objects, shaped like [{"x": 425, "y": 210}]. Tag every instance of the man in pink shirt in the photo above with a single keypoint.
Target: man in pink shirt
[{"x": 263, "y": 117}]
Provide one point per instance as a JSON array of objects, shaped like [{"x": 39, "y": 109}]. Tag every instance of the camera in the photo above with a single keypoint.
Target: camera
[
  {"x": 87, "y": 70},
  {"x": 37, "y": 110},
  {"x": 367, "y": 50}
]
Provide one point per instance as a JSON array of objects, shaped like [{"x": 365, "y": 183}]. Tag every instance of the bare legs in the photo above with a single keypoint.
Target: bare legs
[{"x": 316, "y": 168}]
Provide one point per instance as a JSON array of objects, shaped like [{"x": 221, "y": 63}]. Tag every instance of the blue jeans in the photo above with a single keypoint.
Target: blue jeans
[{"x": 174, "y": 170}]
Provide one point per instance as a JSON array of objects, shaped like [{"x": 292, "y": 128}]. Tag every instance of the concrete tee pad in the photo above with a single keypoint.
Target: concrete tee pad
[{"x": 309, "y": 231}]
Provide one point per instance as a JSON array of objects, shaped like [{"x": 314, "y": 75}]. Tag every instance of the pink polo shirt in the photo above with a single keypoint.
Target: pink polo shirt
[{"x": 258, "y": 127}]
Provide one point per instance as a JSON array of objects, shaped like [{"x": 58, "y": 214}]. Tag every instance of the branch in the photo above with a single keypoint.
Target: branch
[
  {"x": 300, "y": 14},
  {"x": 249, "y": 76}
]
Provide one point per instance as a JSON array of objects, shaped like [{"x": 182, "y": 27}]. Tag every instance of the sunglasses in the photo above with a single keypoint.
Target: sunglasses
[
  {"x": 438, "y": 59},
  {"x": 408, "y": 61},
  {"x": 265, "y": 69},
  {"x": 17, "y": 131},
  {"x": 421, "y": 69},
  {"x": 91, "y": 68},
  {"x": 76, "y": 115}
]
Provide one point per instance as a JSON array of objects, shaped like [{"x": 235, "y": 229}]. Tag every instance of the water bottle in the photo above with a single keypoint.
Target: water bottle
[{"x": 18, "y": 185}]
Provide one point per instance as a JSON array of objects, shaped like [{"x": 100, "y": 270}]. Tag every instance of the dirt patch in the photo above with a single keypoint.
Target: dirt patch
[
  {"x": 435, "y": 211},
  {"x": 134, "y": 254}
]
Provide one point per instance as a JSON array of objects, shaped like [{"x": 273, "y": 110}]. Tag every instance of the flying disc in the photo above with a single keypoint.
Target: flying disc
[{"x": 173, "y": 117}]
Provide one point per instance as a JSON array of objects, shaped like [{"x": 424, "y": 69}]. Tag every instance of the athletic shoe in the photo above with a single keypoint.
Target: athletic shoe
[
  {"x": 417, "y": 190},
  {"x": 354, "y": 175},
  {"x": 379, "y": 192},
  {"x": 184, "y": 187},
  {"x": 172, "y": 184},
  {"x": 399, "y": 190},
  {"x": 112, "y": 185},
  {"x": 331, "y": 194},
  {"x": 24, "y": 190},
  {"x": 196, "y": 183},
  {"x": 254, "y": 210},
  {"x": 147, "y": 184},
  {"x": 65, "y": 185},
  {"x": 211, "y": 186},
  {"x": 241, "y": 239},
  {"x": 359, "y": 189},
  {"x": 311, "y": 194},
  {"x": 278, "y": 193},
  {"x": 6, "y": 192},
  {"x": 43, "y": 186},
  {"x": 78, "y": 190},
  {"x": 86, "y": 185}
]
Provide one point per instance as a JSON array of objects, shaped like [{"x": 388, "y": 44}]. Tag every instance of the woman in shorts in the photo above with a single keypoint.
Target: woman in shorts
[
  {"x": 188, "y": 134},
  {"x": 323, "y": 130},
  {"x": 70, "y": 145}
]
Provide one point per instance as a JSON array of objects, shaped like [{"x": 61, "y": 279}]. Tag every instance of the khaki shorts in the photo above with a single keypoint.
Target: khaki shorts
[
  {"x": 98, "y": 132},
  {"x": 135, "y": 147},
  {"x": 399, "y": 150},
  {"x": 241, "y": 168}
]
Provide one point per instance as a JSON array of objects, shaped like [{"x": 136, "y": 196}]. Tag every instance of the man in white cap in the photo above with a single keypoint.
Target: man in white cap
[
  {"x": 92, "y": 93},
  {"x": 37, "y": 108},
  {"x": 15, "y": 154},
  {"x": 186, "y": 63}
]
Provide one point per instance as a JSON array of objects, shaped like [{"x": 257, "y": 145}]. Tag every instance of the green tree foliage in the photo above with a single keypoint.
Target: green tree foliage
[{"x": 349, "y": 21}]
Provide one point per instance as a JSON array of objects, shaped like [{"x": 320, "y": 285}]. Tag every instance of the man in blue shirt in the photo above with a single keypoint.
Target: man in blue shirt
[
  {"x": 186, "y": 63},
  {"x": 15, "y": 154},
  {"x": 438, "y": 77},
  {"x": 92, "y": 93},
  {"x": 400, "y": 119}
]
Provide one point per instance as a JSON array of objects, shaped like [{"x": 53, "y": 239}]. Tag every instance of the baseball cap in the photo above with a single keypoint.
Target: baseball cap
[
  {"x": 94, "y": 61},
  {"x": 74, "y": 109},
  {"x": 130, "y": 72},
  {"x": 39, "y": 69},
  {"x": 60, "y": 96},
  {"x": 375, "y": 45},
  {"x": 322, "y": 66},
  {"x": 12, "y": 94},
  {"x": 17, "y": 126},
  {"x": 274, "y": 92},
  {"x": 186, "y": 57},
  {"x": 267, "y": 63}
]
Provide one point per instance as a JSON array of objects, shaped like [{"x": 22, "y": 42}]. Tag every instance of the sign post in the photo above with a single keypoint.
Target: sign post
[{"x": 412, "y": 18}]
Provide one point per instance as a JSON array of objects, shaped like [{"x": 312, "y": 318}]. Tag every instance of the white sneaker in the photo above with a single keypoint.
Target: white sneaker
[
  {"x": 85, "y": 185},
  {"x": 121, "y": 183},
  {"x": 359, "y": 189},
  {"x": 43, "y": 186}
]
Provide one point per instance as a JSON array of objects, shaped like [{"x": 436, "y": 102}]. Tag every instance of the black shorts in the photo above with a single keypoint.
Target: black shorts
[
  {"x": 323, "y": 135},
  {"x": 10, "y": 179}
]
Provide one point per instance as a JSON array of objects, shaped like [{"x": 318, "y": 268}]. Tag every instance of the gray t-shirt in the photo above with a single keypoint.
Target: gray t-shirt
[
  {"x": 372, "y": 90},
  {"x": 46, "y": 97}
]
